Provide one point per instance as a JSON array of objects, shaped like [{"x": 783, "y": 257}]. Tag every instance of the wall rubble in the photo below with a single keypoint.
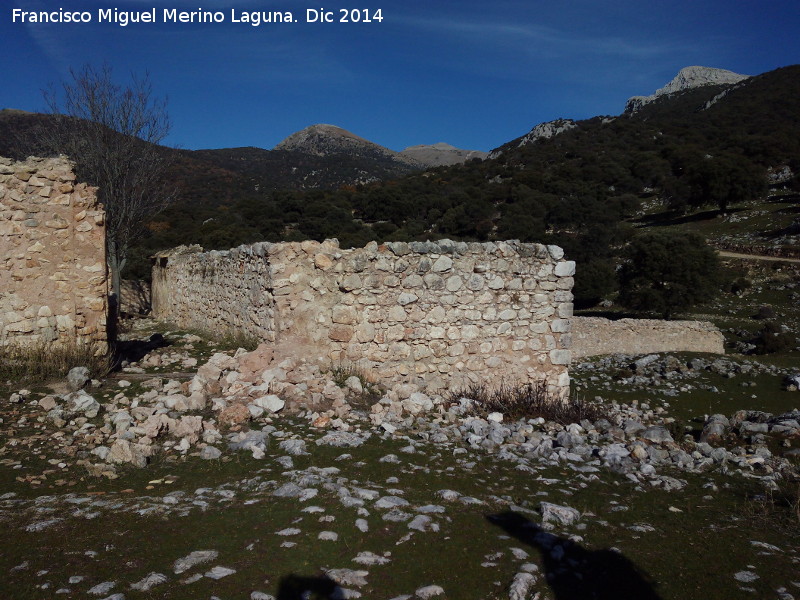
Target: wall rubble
[
  {"x": 53, "y": 287},
  {"x": 438, "y": 314}
]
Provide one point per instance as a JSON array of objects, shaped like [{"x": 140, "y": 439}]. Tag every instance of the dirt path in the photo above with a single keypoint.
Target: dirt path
[{"x": 727, "y": 254}]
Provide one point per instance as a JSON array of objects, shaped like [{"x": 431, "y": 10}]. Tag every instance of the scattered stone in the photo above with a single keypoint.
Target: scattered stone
[
  {"x": 370, "y": 559},
  {"x": 429, "y": 591},
  {"x": 77, "y": 378},
  {"x": 219, "y": 572},
  {"x": 348, "y": 576},
  {"x": 102, "y": 588},
  {"x": 553, "y": 513},
  {"x": 210, "y": 453},
  {"x": 149, "y": 582},
  {"x": 197, "y": 557}
]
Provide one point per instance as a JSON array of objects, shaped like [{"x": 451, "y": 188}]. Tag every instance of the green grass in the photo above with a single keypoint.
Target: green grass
[{"x": 675, "y": 555}]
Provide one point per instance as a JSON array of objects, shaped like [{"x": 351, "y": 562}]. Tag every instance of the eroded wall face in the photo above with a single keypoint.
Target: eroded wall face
[
  {"x": 595, "y": 336},
  {"x": 53, "y": 284},
  {"x": 442, "y": 314},
  {"x": 217, "y": 292}
]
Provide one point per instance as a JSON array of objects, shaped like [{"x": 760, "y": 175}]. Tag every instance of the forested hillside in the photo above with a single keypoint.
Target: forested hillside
[{"x": 713, "y": 146}]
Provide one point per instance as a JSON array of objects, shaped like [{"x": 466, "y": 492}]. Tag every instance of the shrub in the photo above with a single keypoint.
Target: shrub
[
  {"x": 765, "y": 313},
  {"x": 528, "y": 401},
  {"x": 739, "y": 285},
  {"x": 667, "y": 273},
  {"x": 773, "y": 338},
  {"x": 371, "y": 390}
]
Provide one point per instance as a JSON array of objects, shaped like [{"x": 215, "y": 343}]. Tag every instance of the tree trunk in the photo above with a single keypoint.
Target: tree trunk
[{"x": 115, "y": 265}]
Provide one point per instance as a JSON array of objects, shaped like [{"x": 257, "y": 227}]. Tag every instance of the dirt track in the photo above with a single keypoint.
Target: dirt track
[{"x": 726, "y": 254}]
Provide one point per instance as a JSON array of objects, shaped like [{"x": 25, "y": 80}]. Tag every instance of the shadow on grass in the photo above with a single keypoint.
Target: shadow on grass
[
  {"x": 673, "y": 217},
  {"x": 572, "y": 571},
  {"x": 296, "y": 587},
  {"x": 135, "y": 350}
]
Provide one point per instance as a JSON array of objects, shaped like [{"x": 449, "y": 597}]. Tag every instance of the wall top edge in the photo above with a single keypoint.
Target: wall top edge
[{"x": 509, "y": 248}]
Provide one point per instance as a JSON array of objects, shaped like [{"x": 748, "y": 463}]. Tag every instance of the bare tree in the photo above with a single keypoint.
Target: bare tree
[{"x": 113, "y": 134}]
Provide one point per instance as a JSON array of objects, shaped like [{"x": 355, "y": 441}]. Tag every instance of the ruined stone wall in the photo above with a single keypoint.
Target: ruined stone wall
[
  {"x": 53, "y": 284},
  {"x": 218, "y": 292},
  {"x": 594, "y": 335},
  {"x": 439, "y": 314}
]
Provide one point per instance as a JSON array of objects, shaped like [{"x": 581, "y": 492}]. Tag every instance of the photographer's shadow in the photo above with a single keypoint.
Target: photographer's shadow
[{"x": 575, "y": 573}]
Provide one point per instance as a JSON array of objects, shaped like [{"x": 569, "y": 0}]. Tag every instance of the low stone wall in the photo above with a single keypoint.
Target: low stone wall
[
  {"x": 53, "y": 284},
  {"x": 592, "y": 336},
  {"x": 437, "y": 314}
]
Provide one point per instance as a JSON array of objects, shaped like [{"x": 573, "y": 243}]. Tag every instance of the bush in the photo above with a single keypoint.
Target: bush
[
  {"x": 371, "y": 390},
  {"x": 765, "y": 313},
  {"x": 527, "y": 401},
  {"x": 773, "y": 338},
  {"x": 739, "y": 285},
  {"x": 667, "y": 273}
]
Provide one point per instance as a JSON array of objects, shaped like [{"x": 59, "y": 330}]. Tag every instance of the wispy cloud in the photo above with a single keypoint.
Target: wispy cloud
[
  {"x": 49, "y": 38},
  {"x": 536, "y": 37}
]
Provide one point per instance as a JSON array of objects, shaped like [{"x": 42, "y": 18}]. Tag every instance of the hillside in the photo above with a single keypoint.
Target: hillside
[
  {"x": 680, "y": 160},
  {"x": 585, "y": 185}
]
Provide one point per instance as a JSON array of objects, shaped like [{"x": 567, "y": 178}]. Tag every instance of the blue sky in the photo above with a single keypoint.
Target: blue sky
[{"x": 471, "y": 73}]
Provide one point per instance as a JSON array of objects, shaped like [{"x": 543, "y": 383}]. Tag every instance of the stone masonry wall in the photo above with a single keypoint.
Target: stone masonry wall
[
  {"x": 438, "y": 314},
  {"x": 53, "y": 284},
  {"x": 592, "y": 336}
]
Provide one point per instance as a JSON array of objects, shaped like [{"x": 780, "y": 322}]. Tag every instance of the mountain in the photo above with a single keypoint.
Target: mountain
[
  {"x": 687, "y": 78},
  {"x": 441, "y": 155},
  {"x": 317, "y": 157},
  {"x": 325, "y": 140},
  {"x": 684, "y": 158}
]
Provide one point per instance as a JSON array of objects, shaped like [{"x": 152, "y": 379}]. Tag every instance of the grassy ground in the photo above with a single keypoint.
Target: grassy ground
[
  {"x": 632, "y": 540},
  {"x": 664, "y": 538}
]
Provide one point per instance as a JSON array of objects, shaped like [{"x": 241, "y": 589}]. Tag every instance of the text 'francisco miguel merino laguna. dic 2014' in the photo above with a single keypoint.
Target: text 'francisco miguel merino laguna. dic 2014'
[{"x": 124, "y": 18}]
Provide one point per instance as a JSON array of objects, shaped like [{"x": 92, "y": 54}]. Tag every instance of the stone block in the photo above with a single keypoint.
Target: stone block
[
  {"x": 565, "y": 268},
  {"x": 560, "y": 357}
]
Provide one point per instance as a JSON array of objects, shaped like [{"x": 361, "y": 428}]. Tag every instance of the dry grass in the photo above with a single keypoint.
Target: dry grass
[
  {"x": 777, "y": 507},
  {"x": 528, "y": 401},
  {"x": 372, "y": 390},
  {"x": 45, "y": 361}
]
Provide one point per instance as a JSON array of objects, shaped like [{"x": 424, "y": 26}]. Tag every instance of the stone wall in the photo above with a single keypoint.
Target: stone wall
[
  {"x": 438, "y": 314},
  {"x": 594, "y": 335},
  {"x": 53, "y": 287}
]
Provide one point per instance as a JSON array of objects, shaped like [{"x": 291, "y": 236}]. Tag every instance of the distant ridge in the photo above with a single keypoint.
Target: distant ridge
[
  {"x": 326, "y": 140},
  {"x": 441, "y": 154}
]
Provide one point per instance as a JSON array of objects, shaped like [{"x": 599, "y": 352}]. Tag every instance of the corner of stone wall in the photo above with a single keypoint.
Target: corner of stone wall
[{"x": 54, "y": 287}]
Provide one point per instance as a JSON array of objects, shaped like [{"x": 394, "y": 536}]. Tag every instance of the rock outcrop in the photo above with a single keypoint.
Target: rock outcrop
[
  {"x": 441, "y": 154},
  {"x": 543, "y": 131},
  {"x": 687, "y": 78}
]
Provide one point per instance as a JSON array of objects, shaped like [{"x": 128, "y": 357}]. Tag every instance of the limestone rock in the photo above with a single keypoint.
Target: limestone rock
[
  {"x": 77, "y": 377},
  {"x": 687, "y": 78},
  {"x": 124, "y": 452},
  {"x": 270, "y": 403},
  {"x": 235, "y": 414},
  {"x": 81, "y": 403}
]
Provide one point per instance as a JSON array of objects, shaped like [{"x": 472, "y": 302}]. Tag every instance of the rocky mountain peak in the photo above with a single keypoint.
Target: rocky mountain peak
[
  {"x": 323, "y": 139},
  {"x": 687, "y": 78}
]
